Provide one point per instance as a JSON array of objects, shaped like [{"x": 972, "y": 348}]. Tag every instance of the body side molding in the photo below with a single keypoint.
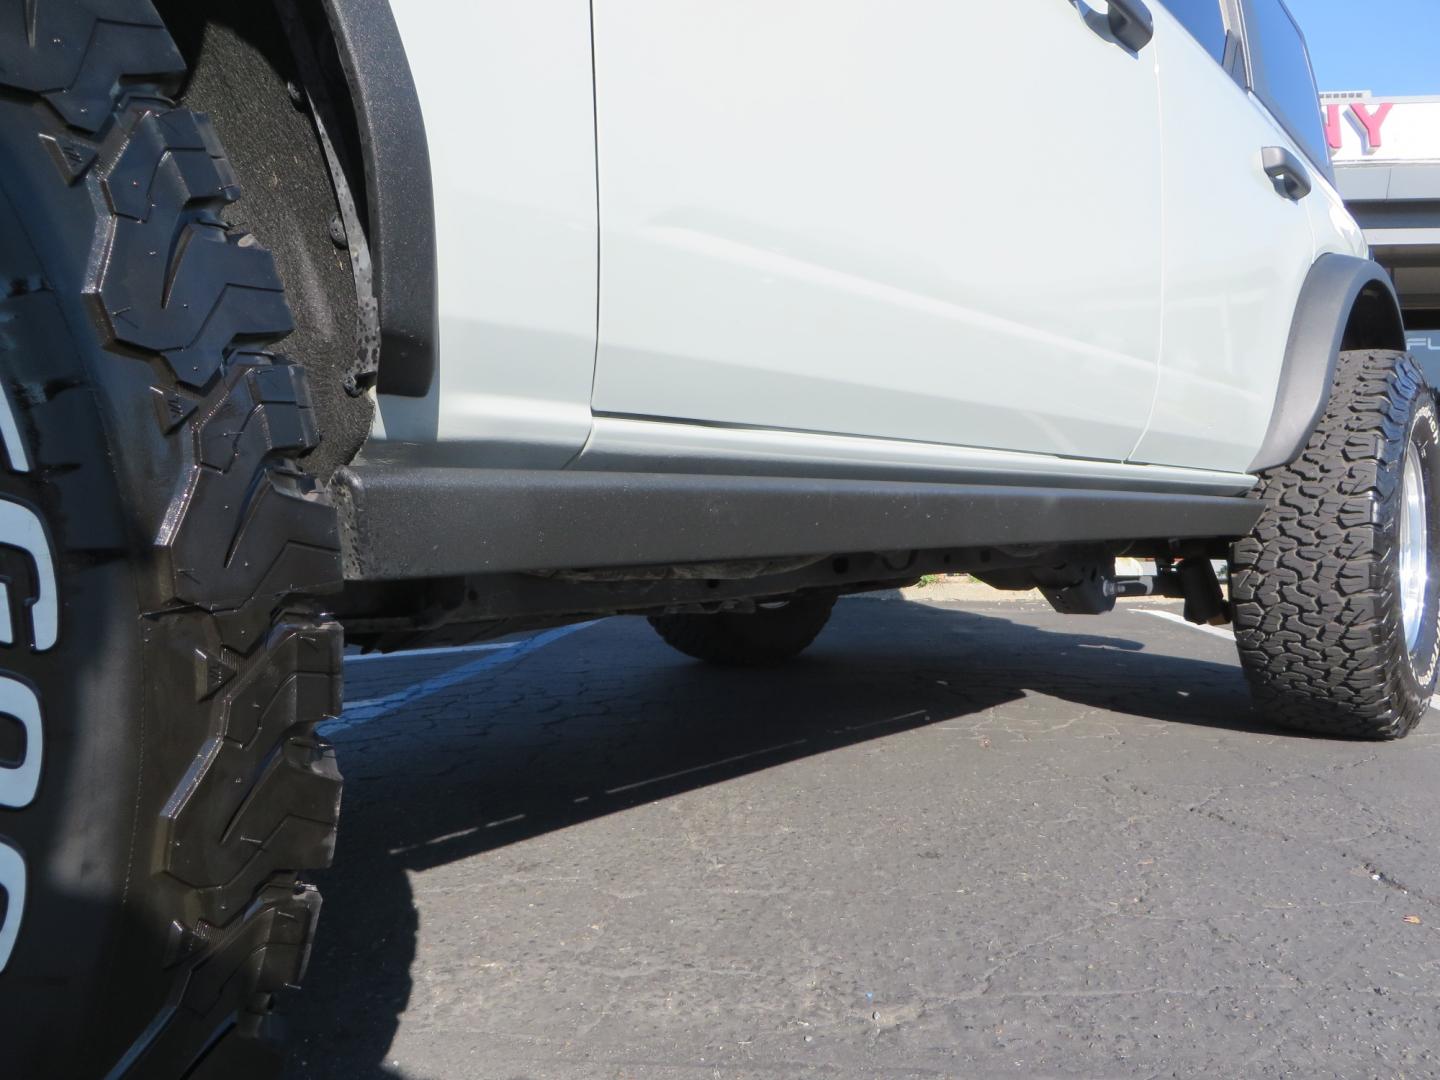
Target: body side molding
[
  {"x": 399, "y": 188},
  {"x": 1334, "y": 288}
]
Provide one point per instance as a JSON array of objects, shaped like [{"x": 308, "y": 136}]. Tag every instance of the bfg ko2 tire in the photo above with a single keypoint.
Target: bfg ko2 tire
[
  {"x": 1336, "y": 593},
  {"x": 771, "y": 634},
  {"x": 163, "y": 660}
]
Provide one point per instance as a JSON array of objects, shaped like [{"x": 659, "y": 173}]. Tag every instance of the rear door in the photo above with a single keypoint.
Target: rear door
[
  {"x": 934, "y": 221},
  {"x": 1237, "y": 248}
]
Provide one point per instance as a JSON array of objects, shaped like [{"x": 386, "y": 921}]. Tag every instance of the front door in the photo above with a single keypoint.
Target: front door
[
  {"x": 1237, "y": 248},
  {"x": 930, "y": 221}
]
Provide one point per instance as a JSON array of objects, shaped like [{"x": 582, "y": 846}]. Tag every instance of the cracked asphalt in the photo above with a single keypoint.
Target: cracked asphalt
[{"x": 977, "y": 840}]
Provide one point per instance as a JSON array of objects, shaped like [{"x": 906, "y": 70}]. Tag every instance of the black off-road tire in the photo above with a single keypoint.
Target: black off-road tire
[
  {"x": 1315, "y": 587},
  {"x": 164, "y": 660},
  {"x": 771, "y": 634}
]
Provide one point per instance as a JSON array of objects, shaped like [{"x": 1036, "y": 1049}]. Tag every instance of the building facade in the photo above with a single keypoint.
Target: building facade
[{"x": 1387, "y": 165}]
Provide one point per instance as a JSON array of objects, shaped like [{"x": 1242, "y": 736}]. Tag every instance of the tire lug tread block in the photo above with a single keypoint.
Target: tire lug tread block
[{"x": 76, "y": 54}]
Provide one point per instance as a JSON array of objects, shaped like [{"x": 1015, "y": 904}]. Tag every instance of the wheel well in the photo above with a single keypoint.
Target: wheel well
[
  {"x": 1375, "y": 322},
  {"x": 1347, "y": 303},
  {"x": 257, "y": 83}
]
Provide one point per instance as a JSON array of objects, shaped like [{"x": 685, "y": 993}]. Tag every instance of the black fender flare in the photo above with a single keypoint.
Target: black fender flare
[
  {"x": 400, "y": 190},
  {"x": 1346, "y": 303}
]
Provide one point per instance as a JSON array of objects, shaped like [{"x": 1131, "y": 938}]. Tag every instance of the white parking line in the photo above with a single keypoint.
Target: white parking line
[
  {"x": 1220, "y": 631},
  {"x": 1170, "y": 616},
  {"x": 701, "y": 768},
  {"x": 448, "y": 650},
  {"x": 362, "y": 712}
]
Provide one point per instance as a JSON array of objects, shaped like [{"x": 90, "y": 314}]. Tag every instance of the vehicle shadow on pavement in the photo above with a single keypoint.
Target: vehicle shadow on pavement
[{"x": 610, "y": 719}]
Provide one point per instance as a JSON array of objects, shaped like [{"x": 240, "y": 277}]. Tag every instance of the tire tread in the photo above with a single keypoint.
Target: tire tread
[
  {"x": 1316, "y": 616},
  {"x": 239, "y": 549}
]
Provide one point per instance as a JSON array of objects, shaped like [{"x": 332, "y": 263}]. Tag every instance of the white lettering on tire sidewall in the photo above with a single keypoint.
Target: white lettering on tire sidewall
[
  {"x": 20, "y": 783},
  {"x": 21, "y": 528},
  {"x": 12, "y": 884}
]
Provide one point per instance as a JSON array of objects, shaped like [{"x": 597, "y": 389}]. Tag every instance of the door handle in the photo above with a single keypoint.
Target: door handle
[
  {"x": 1292, "y": 179},
  {"x": 1131, "y": 23}
]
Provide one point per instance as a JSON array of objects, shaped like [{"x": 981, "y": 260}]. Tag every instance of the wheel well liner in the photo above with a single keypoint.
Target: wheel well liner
[
  {"x": 278, "y": 80},
  {"x": 1346, "y": 303}
]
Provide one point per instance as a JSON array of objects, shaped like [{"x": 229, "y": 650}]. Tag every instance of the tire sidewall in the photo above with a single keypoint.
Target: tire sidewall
[{"x": 75, "y": 835}]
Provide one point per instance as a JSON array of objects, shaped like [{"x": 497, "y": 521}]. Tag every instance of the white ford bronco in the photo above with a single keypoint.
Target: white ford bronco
[{"x": 414, "y": 323}]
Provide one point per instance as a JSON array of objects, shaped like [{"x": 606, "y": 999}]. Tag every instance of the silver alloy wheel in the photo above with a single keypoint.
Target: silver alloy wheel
[{"x": 1414, "y": 549}]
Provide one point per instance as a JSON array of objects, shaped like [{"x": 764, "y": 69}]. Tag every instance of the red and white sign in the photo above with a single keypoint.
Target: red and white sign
[{"x": 1362, "y": 128}]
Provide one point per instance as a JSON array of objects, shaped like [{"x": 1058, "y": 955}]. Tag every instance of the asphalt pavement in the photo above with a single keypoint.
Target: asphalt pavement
[{"x": 977, "y": 840}]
